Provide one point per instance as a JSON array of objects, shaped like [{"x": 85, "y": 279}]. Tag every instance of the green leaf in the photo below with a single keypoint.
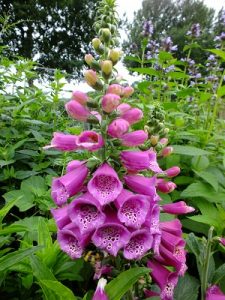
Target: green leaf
[
  {"x": 187, "y": 288},
  {"x": 219, "y": 275},
  {"x": 6, "y": 208},
  {"x": 210, "y": 178},
  {"x": 36, "y": 185},
  {"x": 60, "y": 290},
  {"x": 116, "y": 288},
  {"x": 163, "y": 55},
  {"x": 221, "y": 91},
  {"x": 189, "y": 150},
  {"x": 200, "y": 163},
  {"x": 6, "y": 162},
  {"x": 177, "y": 75},
  {"x": 25, "y": 202},
  {"x": 13, "y": 258},
  {"x": 218, "y": 52},
  {"x": 12, "y": 229},
  {"x": 133, "y": 58},
  {"x": 191, "y": 46},
  {"x": 200, "y": 189}
]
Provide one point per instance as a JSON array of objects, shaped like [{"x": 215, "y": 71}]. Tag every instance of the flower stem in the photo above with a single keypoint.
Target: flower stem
[{"x": 205, "y": 267}]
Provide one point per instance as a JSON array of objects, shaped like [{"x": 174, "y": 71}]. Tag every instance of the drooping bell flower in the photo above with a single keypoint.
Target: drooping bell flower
[
  {"x": 214, "y": 293},
  {"x": 128, "y": 91},
  {"x": 152, "y": 218},
  {"x": 177, "y": 208},
  {"x": 134, "y": 139},
  {"x": 60, "y": 216},
  {"x": 68, "y": 185},
  {"x": 173, "y": 227},
  {"x": 165, "y": 279},
  {"x": 134, "y": 210},
  {"x": 165, "y": 186},
  {"x": 123, "y": 196},
  {"x": 74, "y": 164},
  {"x": 117, "y": 128},
  {"x": 142, "y": 185},
  {"x": 115, "y": 89},
  {"x": 105, "y": 185},
  {"x": 72, "y": 242},
  {"x": 100, "y": 293},
  {"x": 77, "y": 111},
  {"x": 132, "y": 115},
  {"x": 85, "y": 212},
  {"x": 172, "y": 172},
  {"x": 111, "y": 237},
  {"x": 140, "y": 160},
  {"x": 80, "y": 97},
  {"x": 90, "y": 140},
  {"x": 139, "y": 243},
  {"x": 122, "y": 108},
  {"x": 110, "y": 102},
  {"x": 63, "y": 142}
]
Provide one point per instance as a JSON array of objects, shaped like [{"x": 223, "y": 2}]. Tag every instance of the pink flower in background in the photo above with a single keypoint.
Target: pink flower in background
[
  {"x": 60, "y": 216},
  {"x": 90, "y": 140},
  {"x": 80, "y": 97},
  {"x": 74, "y": 164},
  {"x": 68, "y": 185},
  {"x": 100, "y": 293},
  {"x": 110, "y": 102},
  {"x": 222, "y": 241},
  {"x": 117, "y": 128},
  {"x": 133, "y": 139},
  {"x": 214, "y": 293},
  {"x": 115, "y": 89},
  {"x": 132, "y": 115},
  {"x": 105, "y": 184},
  {"x": 128, "y": 91},
  {"x": 63, "y": 142},
  {"x": 177, "y": 208},
  {"x": 77, "y": 111},
  {"x": 140, "y": 242},
  {"x": 123, "y": 107}
]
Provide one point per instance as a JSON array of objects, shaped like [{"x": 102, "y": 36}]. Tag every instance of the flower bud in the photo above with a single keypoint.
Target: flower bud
[
  {"x": 92, "y": 79},
  {"x": 163, "y": 141},
  {"x": 165, "y": 186},
  {"x": 115, "y": 89},
  {"x": 123, "y": 107},
  {"x": 167, "y": 151},
  {"x": 177, "y": 208},
  {"x": 105, "y": 34},
  {"x": 172, "y": 172},
  {"x": 128, "y": 91},
  {"x": 132, "y": 115},
  {"x": 100, "y": 293},
  {"x": 114, "y": 56},
  {"x": 117, "y": 128},
  {"x": 110, "y": 102},
  {"x": 77, "y": 111},
  {"x": 96, "y": 43},
  {"x": 88, "y": 59},
  {"x": 80, "y": 97},
  {"x": 106, "y": 67},
  {"x": 154, "y": 139}
]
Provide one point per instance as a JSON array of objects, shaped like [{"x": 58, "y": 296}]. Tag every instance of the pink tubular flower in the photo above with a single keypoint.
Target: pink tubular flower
[
  {"x": 132, "y": 115},
  {"x": 68, "y": 185},
  {"x": 135, "y": 138},
  {"x": 165, "y": 186},
  {"x": 111, "y": 237},
  {"x": 80, "y": 97},
  {"x": 100, "y": 292},
  {"x": 74, "y": 164},
  {"x": 222, "y": 241},
  {"x": 90, "y": 140},
  {"x": 172, "y": 172},
  {"x": 140, "y": 242},
  {"x": 167, "y": 151},
  {"x": 173, "y": 227},
  {"x": 123, "y": 107},
  {"x": 101, "y": 270},
  {"x": 105, "y": 184},
  {"x": 77, "y": 111},
  {"x": 140, "y": 160},
  {"x": 110, "y": 102},
  {"x": 152, "y": 219},
  {"x": 128, "y": 91},
  {"x": 72, "y": 242},
  {"x": 134, "y": 210},
  {"x": 214, "y": 293},
  {"x": 60, "y": 216},
  {"x": 85, "y": 212},
  {"x": 115, "y": 89},
  {"x": 177, "y": 208},
  {"x": 63, "y": 142},
  {"x": 142, "y": 185},
  {"x": 165, "y": 279},
  {"x": 117, "y": 128}
]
